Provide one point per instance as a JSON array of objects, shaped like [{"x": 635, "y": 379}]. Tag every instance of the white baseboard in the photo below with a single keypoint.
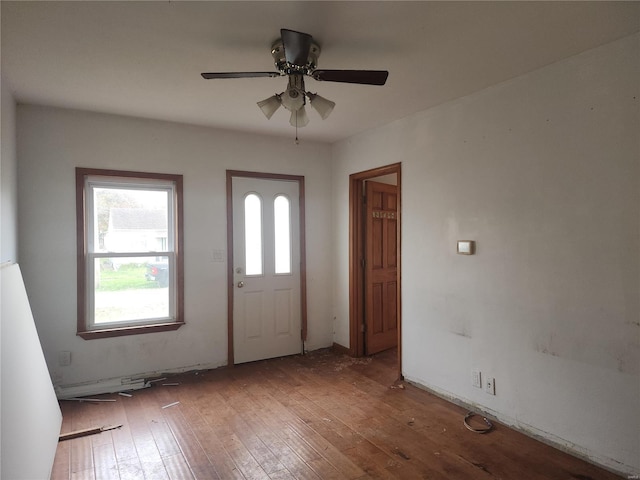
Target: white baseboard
[
  {"x": 545, "y": 437},
  {"x": 97, "y": 388},
  {"x": 121, "y": 384}
]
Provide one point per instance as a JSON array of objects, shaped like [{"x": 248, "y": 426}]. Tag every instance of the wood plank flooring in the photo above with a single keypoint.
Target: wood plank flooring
[{"x": 321, "y": 416}]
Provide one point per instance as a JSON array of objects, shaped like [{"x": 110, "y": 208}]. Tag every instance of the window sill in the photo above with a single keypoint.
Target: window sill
[{"x": 130, "y": 330}]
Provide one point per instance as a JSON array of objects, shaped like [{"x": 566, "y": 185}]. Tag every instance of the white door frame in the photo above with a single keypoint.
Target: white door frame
[{"x": 230, "y": 260}]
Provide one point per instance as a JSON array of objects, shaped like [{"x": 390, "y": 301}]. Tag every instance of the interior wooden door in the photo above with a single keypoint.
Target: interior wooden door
[
  {"x": 266, "y": 269},
  {"x": 381, "y": 267}
]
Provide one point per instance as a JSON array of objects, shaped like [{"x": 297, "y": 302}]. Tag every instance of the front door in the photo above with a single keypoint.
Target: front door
[
  {"x": 381, "y": 267},
  {"x": 266, "y": 268}
]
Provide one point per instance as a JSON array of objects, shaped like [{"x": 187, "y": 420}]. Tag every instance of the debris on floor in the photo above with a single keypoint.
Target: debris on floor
[
  {"x": 346, "y": 361},
  {"x": 156, "y": 380},
  {"x": 401, "y": 454},
  {"x": 85, "y": 399},
  {"x": 171, "y": 404},
  {"x": 488, "y": 428},
  {"x": 85, "y": 432}
]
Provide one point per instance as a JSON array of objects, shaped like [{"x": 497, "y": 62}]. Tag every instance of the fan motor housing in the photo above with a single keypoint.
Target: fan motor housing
[{"x": 277, "y": 51}]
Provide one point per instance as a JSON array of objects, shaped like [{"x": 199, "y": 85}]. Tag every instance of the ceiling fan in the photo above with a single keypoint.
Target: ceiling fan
[{"x": 296, "y": 54}]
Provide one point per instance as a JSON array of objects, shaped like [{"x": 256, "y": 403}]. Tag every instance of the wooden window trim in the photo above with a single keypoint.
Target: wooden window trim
[{"x": 82, "y": 251}]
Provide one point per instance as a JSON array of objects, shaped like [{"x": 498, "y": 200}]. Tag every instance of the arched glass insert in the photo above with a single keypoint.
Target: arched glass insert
[
  {"x": 253, "y": 234},
  {"x": 282, "y": 227}
]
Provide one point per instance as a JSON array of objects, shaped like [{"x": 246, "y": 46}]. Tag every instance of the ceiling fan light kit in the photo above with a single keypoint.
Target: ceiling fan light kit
[
  {"x": 321, "y": 105},
  {"x": 293, "y": 96},
  {"x": 270, "y": 105},
  {"x": 299, "y": 118},
  {"x": 296, "y": 54}
]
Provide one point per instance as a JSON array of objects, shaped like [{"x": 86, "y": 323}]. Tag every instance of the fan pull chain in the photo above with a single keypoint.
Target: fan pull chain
[{"x": 296, "y": 141}]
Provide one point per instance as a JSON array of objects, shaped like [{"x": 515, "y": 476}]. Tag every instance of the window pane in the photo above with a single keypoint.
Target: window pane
[
  {"x": 129, "y": 289},
  {"x": 253, "y": 234},
  {"x": 130, "y": 220},
  {"x": 282, "y": 224}
]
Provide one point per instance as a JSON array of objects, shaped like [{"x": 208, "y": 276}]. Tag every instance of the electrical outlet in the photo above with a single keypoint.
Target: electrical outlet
[
  {"x": 490, "y": 385},
  {"x": 476, "y": 378}
]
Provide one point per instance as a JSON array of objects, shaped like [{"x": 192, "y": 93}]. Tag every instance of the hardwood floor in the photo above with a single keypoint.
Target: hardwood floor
[{"x": 321, "y": 416}]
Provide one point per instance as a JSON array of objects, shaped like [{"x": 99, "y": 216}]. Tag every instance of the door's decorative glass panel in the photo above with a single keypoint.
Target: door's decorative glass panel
[
  {"x": 253, "y": 234},
  {"x": 282, "y": 225}
]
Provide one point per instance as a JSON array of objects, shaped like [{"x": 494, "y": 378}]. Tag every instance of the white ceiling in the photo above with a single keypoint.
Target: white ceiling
[{"x": 144, "y": 58}]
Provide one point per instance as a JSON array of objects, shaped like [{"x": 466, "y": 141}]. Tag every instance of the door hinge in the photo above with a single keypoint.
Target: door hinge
[
  {"x": 363, "y": 328},
  {"x": 363, "y": 262}
]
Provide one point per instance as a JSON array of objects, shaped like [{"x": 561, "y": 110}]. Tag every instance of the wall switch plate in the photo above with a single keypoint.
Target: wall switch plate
[
  {"x": 64, "y": 359},
  {"x": 466, "y": 247},
  {"x": 490, "y": 385},
  {"x": 476, "y": 378}
]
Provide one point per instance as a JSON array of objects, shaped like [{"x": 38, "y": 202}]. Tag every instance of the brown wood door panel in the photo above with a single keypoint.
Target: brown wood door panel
[
  {"x": 381, "y": 267},
  {"x": 391, "y": 243}
]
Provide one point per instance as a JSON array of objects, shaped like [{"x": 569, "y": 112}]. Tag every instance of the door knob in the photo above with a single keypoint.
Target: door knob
[{"x": 240, "y": 284}]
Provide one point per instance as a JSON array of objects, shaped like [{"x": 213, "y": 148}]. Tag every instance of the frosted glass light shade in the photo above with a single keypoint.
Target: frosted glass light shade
[
  {"x": 292, "y": 99},
  {"x": 321, "y": 105},
  {"x": 270, "y": 105},
  {"x": 299, "y": 118}
]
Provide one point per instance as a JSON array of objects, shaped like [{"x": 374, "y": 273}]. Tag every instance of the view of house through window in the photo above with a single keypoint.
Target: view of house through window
[
  {"x": 130, "y": 264},
  {"x": 131, "y": 221}
]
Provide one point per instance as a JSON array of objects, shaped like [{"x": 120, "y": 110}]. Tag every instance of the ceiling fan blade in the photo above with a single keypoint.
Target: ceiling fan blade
[
  {"x": 366, "y": 77},
  {"x": 296, "y": 46},
  {"x": 212, "y": 75}
]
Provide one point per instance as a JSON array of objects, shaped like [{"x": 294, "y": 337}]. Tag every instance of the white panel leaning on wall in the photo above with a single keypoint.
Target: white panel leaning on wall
[{"x": 31, "y": 416}]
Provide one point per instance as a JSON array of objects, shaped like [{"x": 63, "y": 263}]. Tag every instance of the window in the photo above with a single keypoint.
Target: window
[
  {"x": 130, "y": 262},
  {"x": 253, "y": 234},
  {"x": 282, "y": 229}
]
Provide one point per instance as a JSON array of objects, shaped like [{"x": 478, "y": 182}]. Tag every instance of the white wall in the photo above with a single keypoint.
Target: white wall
[
  {"x": 8, "y": 177},
  {"x": 52, "y": 142},
  {"x": 30, "y": 414},
  {"x": 8, "y": 184},
  {"x": 543, "y": 172}
]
